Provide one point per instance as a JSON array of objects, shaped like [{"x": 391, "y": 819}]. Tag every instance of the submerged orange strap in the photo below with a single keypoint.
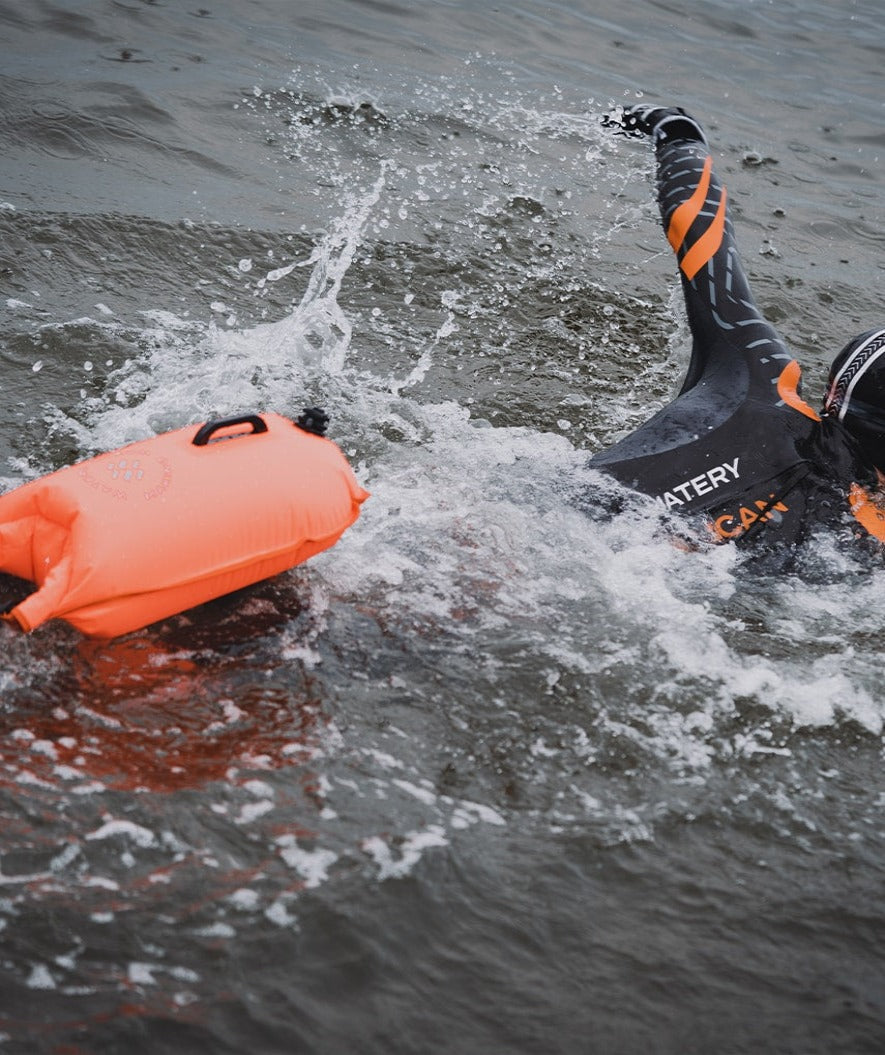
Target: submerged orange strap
[
  {"x": 788, "y": 390},
  {"x": 866, "y": 512}
]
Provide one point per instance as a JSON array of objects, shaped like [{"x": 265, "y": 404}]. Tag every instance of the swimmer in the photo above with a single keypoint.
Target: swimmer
[{"x": 739, "y": 446}]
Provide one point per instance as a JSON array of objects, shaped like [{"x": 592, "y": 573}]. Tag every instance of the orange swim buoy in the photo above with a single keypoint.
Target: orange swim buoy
[{"x": 135, "y": 535}]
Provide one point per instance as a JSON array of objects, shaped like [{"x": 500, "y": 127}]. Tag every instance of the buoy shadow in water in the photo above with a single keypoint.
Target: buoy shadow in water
[{"x": 201, "y": 697}]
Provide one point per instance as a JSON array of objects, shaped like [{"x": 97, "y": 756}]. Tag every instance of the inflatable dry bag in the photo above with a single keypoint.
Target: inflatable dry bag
[{"x": 143, "y": 532}]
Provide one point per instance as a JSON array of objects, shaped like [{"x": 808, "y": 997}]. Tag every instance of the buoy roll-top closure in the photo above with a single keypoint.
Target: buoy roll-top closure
[{"x": 313, "y": 420}]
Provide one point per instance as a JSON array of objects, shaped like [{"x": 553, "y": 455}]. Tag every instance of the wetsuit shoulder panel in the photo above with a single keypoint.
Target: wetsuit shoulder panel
[
  {"x": 740, "y": 395},
  {"x": 738, "y": 446}
]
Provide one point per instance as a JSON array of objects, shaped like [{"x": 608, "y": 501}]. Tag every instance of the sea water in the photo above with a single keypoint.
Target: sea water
[{"x": 497, "y": 773}]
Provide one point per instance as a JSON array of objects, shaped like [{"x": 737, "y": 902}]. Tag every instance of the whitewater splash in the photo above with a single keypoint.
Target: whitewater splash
[
  {"x": 591, "y": 631},
  {"x": 466, "y": 516},
  {"x": 192, "y": 370}
]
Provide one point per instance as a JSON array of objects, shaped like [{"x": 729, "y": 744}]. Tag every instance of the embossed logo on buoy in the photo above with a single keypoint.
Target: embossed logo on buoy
[
  {"x": 132, "y": 473},
  {"x": 126, "y": 469}
]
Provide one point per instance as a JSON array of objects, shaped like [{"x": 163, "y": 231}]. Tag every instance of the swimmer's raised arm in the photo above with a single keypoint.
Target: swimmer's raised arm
[{"x": 727, "y": 328}]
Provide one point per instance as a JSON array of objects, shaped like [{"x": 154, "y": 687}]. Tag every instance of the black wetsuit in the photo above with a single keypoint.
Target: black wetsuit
[{"x": 737, "y": 445}]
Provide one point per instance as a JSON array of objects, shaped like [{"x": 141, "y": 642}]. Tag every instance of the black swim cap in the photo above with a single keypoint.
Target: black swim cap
[{"x": 856, "y": 392}]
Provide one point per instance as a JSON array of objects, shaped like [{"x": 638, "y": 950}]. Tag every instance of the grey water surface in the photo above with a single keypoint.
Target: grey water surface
[{"x": 494, "y": 774}]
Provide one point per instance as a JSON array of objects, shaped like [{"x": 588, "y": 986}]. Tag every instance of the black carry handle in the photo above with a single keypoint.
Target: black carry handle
[{"x": 205, "y": 432}]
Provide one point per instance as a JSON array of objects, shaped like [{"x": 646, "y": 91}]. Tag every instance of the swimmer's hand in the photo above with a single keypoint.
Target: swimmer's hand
[{"x": 664, "y": 123}]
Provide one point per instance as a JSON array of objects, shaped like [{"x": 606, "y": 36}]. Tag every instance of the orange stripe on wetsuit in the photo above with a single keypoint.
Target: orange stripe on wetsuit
[
  {"x": 684, "y": 216},
  {"x": 788, "y": 390}
]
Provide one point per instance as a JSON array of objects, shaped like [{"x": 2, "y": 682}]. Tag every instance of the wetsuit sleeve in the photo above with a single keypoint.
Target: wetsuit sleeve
[
  {"x": 727, "y": 329},
  {"x": 737, "y": 442}
]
